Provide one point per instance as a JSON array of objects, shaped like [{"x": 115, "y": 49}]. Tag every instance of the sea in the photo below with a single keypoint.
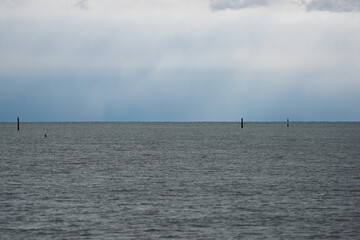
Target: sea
[{"x": 180, "y": 180}]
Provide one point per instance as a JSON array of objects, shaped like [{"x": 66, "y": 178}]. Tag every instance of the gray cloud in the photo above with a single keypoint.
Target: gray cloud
[
  {"x": 310, "y": 5},
  {"x": 82, "y": 4},
  {"x": 333, "y": 5},
  {"x": 236, "y": 4}
]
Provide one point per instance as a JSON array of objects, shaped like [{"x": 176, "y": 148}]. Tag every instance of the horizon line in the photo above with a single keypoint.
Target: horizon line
[{"x": 188, "y": 121}]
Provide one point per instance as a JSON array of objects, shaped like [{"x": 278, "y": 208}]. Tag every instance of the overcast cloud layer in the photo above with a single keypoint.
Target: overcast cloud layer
[{"x": 179, "y": 60}]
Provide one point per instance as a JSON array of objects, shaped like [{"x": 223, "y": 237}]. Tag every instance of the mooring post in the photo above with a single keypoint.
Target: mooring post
[
  {"x": 287, "y": 122},
  {"x": 18, "y": 123},
  {"x": 242, "y": 123}
]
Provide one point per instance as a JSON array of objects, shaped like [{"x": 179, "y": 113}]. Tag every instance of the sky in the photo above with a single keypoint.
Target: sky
[{"x": 179, "y": 60}]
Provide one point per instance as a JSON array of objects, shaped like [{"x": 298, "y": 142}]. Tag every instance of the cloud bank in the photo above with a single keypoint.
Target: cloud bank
[{"x": 171, "y": 60}]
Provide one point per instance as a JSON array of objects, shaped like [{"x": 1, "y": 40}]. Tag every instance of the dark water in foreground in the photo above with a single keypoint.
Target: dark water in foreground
[{"x": 180, "y": 180}]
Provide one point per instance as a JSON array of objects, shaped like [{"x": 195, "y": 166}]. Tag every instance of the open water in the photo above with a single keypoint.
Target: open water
[{"x": 180, "y": 180}]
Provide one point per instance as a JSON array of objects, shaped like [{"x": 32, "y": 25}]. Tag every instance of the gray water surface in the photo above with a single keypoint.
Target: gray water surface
[{"x": 180, "y": 180}]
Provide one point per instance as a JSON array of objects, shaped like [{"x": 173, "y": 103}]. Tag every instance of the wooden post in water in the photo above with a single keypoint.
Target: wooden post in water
[
  {"x": 242, "y": 123},
  {"x": 18, "y": 123},
  {"x": 287, "y": 122}
]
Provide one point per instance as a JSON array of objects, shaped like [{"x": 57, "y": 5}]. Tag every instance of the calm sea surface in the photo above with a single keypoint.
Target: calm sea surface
[{"x": 180, "y": 180}]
